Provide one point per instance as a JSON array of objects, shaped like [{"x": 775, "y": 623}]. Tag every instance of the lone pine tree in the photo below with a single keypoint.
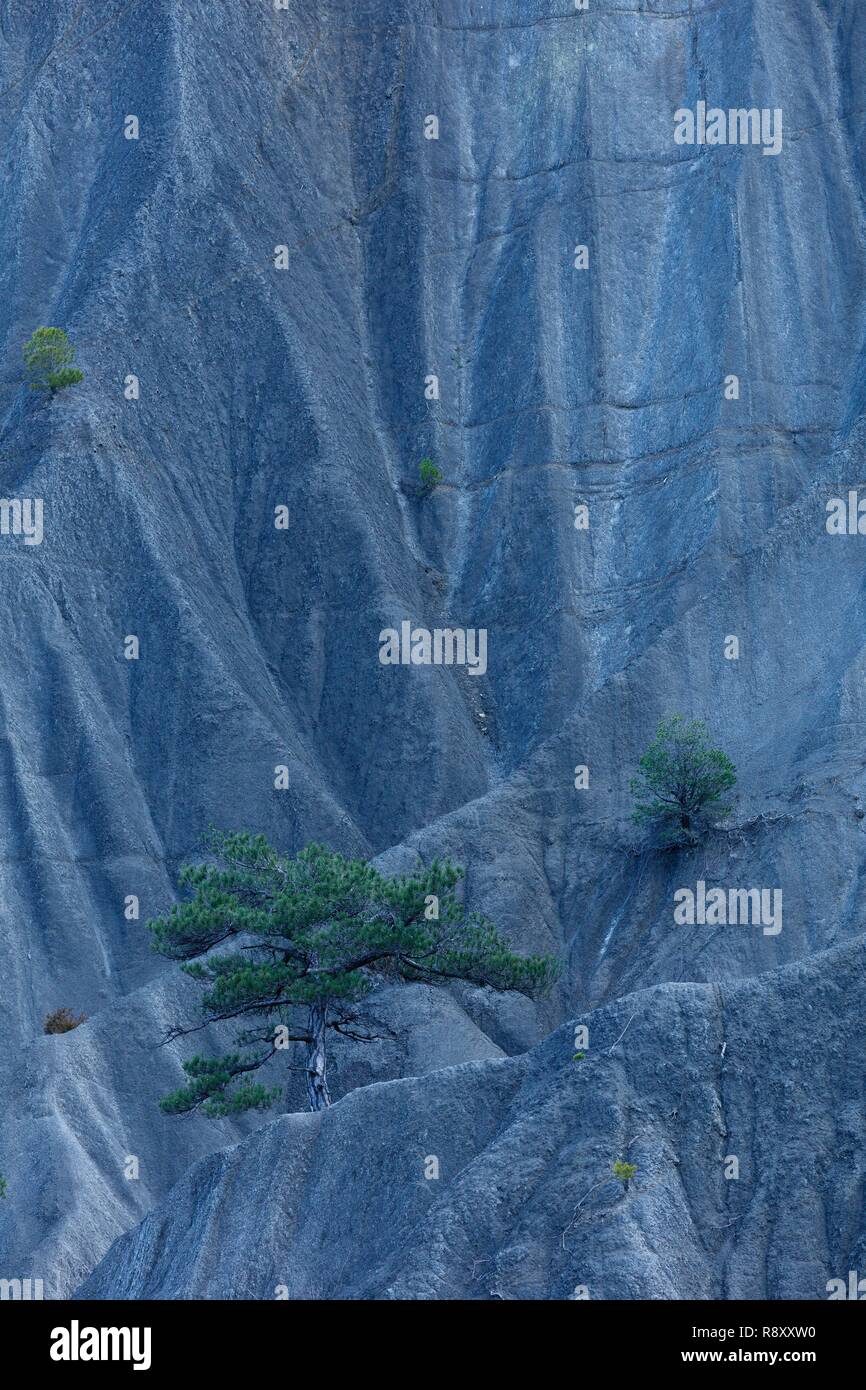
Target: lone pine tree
[
  {"x": 680, "y": 776},
  {"x": 49, "y": 358},
  {"x": 314, "y": 936}
]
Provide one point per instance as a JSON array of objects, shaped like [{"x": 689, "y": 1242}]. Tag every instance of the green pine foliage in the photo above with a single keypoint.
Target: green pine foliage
[
  {"x": 210, "y": 1089},
  {"x": 681, "y": 777},
  {"x": 624, "y": 1172},
  {"x": 313, "y": 936},
  {"x": 49, "y": 358},
  {"x": 429, "y": 475},
  {"x": 4, "y": 1191}
]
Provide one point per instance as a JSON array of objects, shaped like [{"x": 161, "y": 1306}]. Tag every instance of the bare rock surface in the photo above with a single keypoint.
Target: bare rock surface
[
  {"x": 305, "y": 388},
  {"x": 739, "y": 1105}
]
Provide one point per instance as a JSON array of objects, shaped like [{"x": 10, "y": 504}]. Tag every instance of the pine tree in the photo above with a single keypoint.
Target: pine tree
[
  {"x": 680, "y": 777},
  {"x": 314, "y": 935},
  {"x": 429, "y": 475},
  {"x": 624, "y": 1172},
  {"x": 49, "y": 358}
]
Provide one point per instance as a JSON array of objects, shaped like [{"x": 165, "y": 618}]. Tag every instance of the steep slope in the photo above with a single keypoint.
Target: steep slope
[
  {"x": 680, "y": 1079},
  {"x": 305, "y": 129}
]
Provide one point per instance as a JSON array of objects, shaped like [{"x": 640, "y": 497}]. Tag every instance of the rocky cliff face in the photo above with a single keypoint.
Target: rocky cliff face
[
  {"x": 309, "y": 388},
  {"x": 741, "y": 1107}
]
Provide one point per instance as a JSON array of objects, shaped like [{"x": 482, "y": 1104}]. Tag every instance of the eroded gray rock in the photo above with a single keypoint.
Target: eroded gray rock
[
  {"x": 740, "y": 1105},
  {"x": 259, "y": 648}
]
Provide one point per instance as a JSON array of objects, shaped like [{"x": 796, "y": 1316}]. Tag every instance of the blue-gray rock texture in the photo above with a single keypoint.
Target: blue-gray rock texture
[
  {"x": 608, "y": 387},
  {"x": 681, "y": 1079}
]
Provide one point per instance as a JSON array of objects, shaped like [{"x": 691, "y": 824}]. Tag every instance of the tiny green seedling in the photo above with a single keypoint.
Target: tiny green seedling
[
  {"x": 429, "y": 476},
  {"x": 624, "y": 1172}
]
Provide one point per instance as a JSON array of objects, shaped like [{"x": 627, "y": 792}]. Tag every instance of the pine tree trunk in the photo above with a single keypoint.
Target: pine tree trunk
[
  {"x": 685, "y": 821},
  {"x": 317, "y": 1083}
]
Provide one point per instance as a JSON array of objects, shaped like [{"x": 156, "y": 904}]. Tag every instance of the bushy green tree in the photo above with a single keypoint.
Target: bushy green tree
[
  {"x": 314, "y": 934},
  {"x": 49, "y": 358},
  {"x": 4, "y": 1191},
  {"x": 624, "y": 1172},
  {"x": 681, "y": 777},
  {"x": 429, "y": 475}
]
